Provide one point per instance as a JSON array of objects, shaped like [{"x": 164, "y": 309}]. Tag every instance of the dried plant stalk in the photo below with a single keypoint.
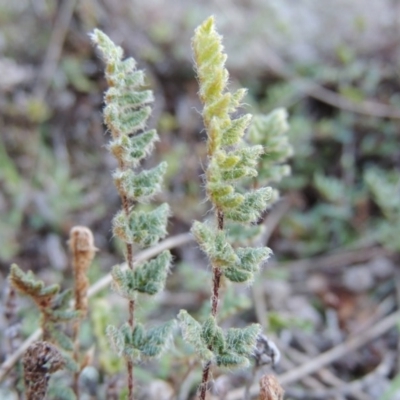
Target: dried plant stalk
[
  {"x": 81, "y": 244},
  {"x": 270, "y": 388}
]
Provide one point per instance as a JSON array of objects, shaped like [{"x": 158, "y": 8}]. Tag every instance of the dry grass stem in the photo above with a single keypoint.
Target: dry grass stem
[
  {"x": 82, "y": 248},
  {"x": 81, "y": 244},
  {"x": 270, "y": 389}
]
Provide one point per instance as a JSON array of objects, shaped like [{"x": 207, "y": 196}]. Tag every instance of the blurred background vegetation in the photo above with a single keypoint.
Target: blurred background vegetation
[{"x": 334, "y": 66}]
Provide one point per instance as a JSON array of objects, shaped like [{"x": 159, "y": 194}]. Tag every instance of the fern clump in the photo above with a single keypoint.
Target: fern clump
[
  {"x": 127, "y": 108},
  {"x": 232, "y": 163}
]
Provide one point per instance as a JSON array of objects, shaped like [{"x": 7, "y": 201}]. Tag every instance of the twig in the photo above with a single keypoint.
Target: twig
[
  {"x": 366, "y": 107},
  {"x": 174, "y": 241},
  {"x": 335, "y": 260},
  {"x": 12, "y": 333},
  {"x": 10, "y": 308},
  {"x": 54, "y": 49},
  {"x": 329, "y": 356},
  {"x": 309, "y": 382},
  {"x": 324, "y": 374},
  {"x": 170, "y": 243},
  {"x": 342, "y": 349},
  {"x": 382, "y": 370},
  {"x": 187, "y": 382}
]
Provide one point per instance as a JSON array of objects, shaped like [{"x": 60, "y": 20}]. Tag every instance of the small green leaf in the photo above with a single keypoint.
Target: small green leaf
[
  {"x": 213, "y": 335},
  {"x": 214, "y": 244},
  {"x": 147, "y": 228},
  {"x": 192, "y": 334},
  {"x": 255, "y": 202},
  {"x": 150, "y": 276},
  {"x": 157, "y": 339},
  {"x": 232, "y": 134},
  {"x": 243, "y": 340},
  {"x": 27, "y": 284},
  {"x": 141, "y": 186}
]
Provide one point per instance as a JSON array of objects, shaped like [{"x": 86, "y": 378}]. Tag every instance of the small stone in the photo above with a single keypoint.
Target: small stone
[
  {"x": 358, "y": 279},
  {"x": 381, "y": 267}
]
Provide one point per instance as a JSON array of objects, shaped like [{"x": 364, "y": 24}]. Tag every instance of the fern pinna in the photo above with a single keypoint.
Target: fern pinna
[
  {"x": 230, "y": 160},
  {"x": 126, "y": 112}
]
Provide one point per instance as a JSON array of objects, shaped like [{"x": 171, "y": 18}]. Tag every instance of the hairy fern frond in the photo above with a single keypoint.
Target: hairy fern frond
[
  {"x": 229, "y": 350},
  {"x": 138, "y": 343},
  {"x": 230, "y": 158},
  {"x": 125, "y": 114},
  {"x": 52, "y": 304},
  {"x": 27, "y": 284},
  {"x": 148, "y": 278},
  {"x": 231, "y": 162}
]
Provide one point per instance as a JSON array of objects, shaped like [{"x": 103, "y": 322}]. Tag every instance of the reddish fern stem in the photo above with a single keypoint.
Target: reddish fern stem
[
  {"x": 217, "y": 274},
  {"x": 131, "y": 315}
]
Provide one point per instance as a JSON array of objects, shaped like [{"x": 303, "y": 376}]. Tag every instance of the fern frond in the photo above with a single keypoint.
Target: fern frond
[
  {"x": 143, "y": 228},
  {"x": 249, "y": 263},
  {"x": 214, "y": 243},
  {"x": 138, "y": 343},
  {"x": 147, "y": 278},
  {"x": 27, "y": 284},
  {"x": 192, "y": 334},
  {"x": 142, "y": 186},
  {"x": 132, "y": 149}
]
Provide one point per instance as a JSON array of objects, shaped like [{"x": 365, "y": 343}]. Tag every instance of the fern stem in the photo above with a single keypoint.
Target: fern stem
[
  {"x": 204, "y": 381},
  {"x": 46, "y": 337},
  {"x": 217, "y": 273},
  {"x": 130, "y": 262},
  {"x": 75, "y": 337},
  {"x": 129, "y": 366},
  {"x": 131, "y": 309}
]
